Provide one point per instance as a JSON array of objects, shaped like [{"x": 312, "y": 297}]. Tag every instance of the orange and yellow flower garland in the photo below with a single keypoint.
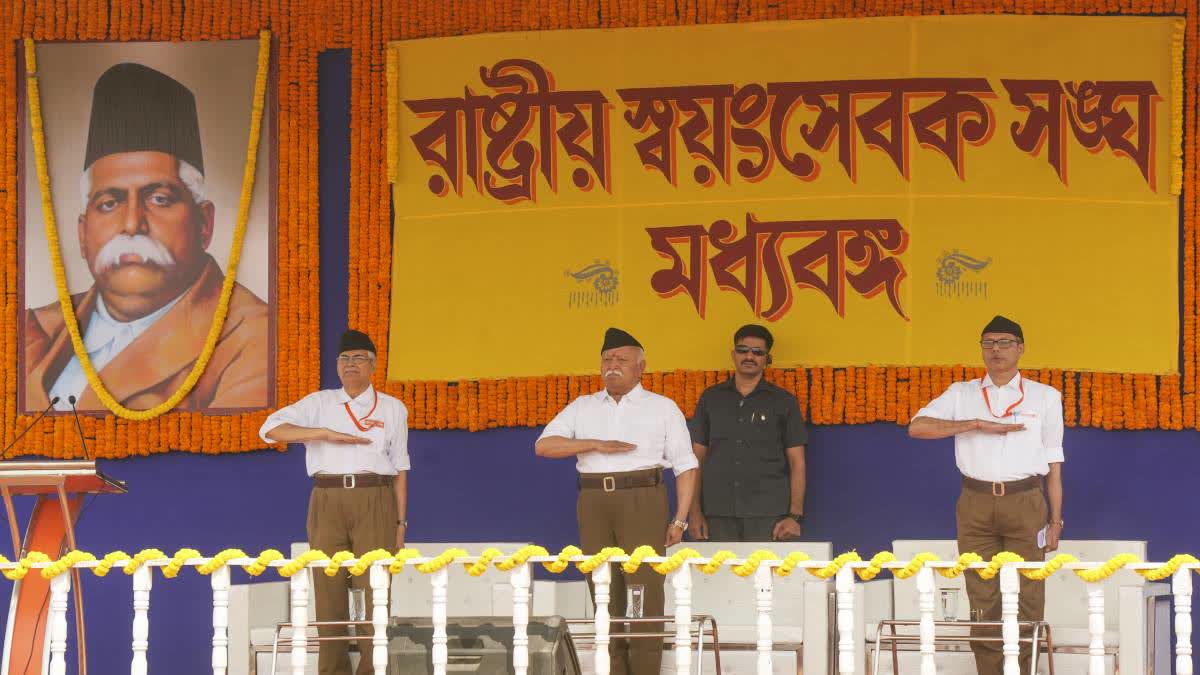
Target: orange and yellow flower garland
[
  {"x": 303, "y": 28},
  {"x": 235, "y": 253}
]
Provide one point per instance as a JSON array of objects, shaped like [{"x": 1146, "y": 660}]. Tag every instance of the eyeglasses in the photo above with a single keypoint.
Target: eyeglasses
[
  {"x": 1002, "y": 344},
  {"x": 355, "y": 359},
  {"x": 743, "y": 349}
]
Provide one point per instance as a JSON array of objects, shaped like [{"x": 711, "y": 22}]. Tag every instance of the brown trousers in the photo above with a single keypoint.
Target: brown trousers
[
  {"x": 628, "y": 519},
  {"x": 988, "y": 525},
  {"x": 357, "y": 520}
]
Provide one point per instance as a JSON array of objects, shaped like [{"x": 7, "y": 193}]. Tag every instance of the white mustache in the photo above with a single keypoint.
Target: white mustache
[
  {"x": 613, "y": 371},
  {"x": 150, "y": 250}
]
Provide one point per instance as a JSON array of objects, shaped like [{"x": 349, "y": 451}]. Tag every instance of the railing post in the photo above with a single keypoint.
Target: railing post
[
  {"x": 220, "y": 641},
  {"x": 1095, "y": 596},
  {"x": 60, "y": 588},
  {"x": 143, "y": 579},
  {"x": 601, "y": 578},
  {"x": 681, "y": 581},
  {"x": 1010, "y": 588},
  {"x": 299, "y": 593},
  {"x": 520, "y": 579},
  {"x": 844, "y": 587},
  {"x": 380, "y": 580},
  {"x": 762, "y": 591},
  {"x": 441, "y": 655},
  {"x": 925, "y": 595},
  {"x": 1181, "y": 587}
]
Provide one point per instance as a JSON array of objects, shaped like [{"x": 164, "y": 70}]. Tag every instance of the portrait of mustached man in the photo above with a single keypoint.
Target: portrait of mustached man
[{"x": 144, "y": 231}]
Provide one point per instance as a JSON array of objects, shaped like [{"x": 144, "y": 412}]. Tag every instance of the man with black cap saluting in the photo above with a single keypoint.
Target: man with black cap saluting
[
  {"x": 356, "y": 450},
  {"x": 749, "y": 437},
  {"x": 144, "y": 231},
  {"x": 1008, "y": 434},
  {"x": 621, "y": 438}
]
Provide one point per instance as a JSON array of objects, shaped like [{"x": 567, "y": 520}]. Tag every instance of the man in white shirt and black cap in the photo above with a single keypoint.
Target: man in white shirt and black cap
[
  {"x": 622, "y": 438},
  {"x": 1008, "y": 434},
  {"x": 356, "y": 451}
]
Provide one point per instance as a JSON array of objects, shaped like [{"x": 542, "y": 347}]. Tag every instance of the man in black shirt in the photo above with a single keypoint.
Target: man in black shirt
[{"x": 749, "y": 437}]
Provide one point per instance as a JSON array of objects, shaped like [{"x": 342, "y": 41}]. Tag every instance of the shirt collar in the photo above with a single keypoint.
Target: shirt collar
[
  {"x": 1014, "y": 384},
  {"x": 364, "y": 399},
  {"x": 103, "y": 328},
  {"x": 633, "y": 394},
  {"x": 730, "y": 383}
]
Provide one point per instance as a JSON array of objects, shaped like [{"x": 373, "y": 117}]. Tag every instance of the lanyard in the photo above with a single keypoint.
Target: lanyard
[
  {"x": 369, "y": 425},
  {"x": 1020, "y": 386}
]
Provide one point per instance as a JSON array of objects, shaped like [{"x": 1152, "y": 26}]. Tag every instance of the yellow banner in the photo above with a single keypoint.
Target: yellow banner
[{"x": 873, "y": 190}]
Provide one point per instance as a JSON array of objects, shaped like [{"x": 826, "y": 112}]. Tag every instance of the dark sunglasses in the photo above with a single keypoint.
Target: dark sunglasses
[{"x": 757, "y": 351}]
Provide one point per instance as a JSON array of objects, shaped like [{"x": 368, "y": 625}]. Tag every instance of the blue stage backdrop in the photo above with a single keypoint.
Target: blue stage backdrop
[{"x": 867, "y": 484}]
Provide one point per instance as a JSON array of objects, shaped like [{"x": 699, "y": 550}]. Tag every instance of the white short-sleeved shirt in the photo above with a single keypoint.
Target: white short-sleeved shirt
[
  {"x": 386, "y": 420},
  {"x": 1003, "y": 457},
  {"x": 651, "y": 422}
]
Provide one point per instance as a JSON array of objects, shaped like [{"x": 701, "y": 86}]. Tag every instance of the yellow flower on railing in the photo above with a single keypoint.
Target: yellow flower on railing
[
  {"x": 716, "y": 561},
  {"x": 181, "y": 556},
  {"x": 141, "y": 557},
  {"x": 369, "y": 558},
  {"x": 588, "y": 566},
  {"x": 402, "y": 556},
  {"x": 16, "y": 571},
  {"x": 635, "y": 559},
  {"x": 335, "y": 562},
  {"x": 522, "y": 555},
  {"x": 448, "y": 556},
  {"x": 1170, "y": 568}
]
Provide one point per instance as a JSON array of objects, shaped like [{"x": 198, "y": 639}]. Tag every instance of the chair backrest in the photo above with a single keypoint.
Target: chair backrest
[
  {"x": 1066, "y": 597},
  {"x": 1066, "y": 593},
  {"x": 487, "y": 595},
  {"x": 731, "y": 599}
]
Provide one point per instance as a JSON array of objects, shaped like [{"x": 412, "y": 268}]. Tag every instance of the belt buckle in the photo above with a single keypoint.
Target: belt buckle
[
  {"x": 1001, "y": 487},
  {"x": 609, "y": 483},
  {"x": 349, "y": 480}
]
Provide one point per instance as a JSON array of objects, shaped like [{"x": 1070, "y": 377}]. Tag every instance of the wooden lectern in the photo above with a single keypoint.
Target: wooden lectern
[{"x": 60, "y": 487}]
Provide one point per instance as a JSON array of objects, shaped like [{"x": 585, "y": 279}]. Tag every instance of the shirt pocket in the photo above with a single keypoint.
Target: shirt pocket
[
  {"x": 762, "y": 425},
  {"x": 646, "y": 434},
  {"x": 1031, "y": 436}
]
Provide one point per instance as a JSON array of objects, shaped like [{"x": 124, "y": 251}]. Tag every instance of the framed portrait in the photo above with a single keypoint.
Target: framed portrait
[{"x": 146, "y": 145}]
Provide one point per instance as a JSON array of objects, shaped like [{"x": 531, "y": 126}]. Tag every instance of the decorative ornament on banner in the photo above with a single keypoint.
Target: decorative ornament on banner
[{"x": 877, "y": 211}]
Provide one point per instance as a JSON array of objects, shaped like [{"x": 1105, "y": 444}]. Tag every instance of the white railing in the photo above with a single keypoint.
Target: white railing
[{"x": 758, "y": 592}]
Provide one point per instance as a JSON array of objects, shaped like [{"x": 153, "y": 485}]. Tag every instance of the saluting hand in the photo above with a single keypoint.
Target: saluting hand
[
  {"x": 332, "y": 436},
  {"x": 997, "y": 427},
  {"x": 609, "y": 447}
]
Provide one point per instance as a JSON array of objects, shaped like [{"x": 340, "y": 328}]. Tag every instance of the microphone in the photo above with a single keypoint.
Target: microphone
[
  {"x": 79, "y": 427},
  {"x": 4, "y": 455}
]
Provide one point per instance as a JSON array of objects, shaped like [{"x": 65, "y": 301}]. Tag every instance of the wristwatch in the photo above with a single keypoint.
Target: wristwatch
[
  {"x": 798, "y": 517},
  {"x": 681, "y": 524}
]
